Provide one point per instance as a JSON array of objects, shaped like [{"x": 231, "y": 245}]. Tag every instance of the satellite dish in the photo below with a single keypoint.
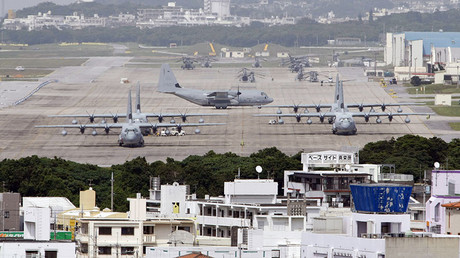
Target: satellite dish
[
  {"x": 259, "y": 169},
  {"x": 436, "y": 164}
]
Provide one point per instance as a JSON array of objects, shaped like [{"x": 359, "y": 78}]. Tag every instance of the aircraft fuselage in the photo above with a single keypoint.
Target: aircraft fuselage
[
  {"x": 230, "y": 98},
  {"x": 131, "y": 136}
]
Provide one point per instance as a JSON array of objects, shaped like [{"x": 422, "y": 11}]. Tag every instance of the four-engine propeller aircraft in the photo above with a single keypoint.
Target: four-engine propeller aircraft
[
  {"x": 131, "y": 131},
  {"x": 219, "y": 99},
  {"x": 138, "y": 116},
  {"x": 340, "y": 117}
]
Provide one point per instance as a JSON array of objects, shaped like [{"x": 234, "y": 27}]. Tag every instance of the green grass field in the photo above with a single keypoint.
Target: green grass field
[
  {"x": 455, "y": 126},
  {"x": 433, "y": 89},
  {"x": 453, "y": 110}
]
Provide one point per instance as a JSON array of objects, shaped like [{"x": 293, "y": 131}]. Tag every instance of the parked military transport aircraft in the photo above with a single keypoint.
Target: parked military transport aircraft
[
  {"x": 340, "y": 117},
  {"x": 131, "y": 131},
  {"x": 138, "y": 116},
  {"x": 219, "y": 99}
]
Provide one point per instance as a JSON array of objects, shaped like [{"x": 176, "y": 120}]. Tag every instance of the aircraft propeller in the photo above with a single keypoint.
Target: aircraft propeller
[
  {"x": 82, "y": 129},
  {"x": 91, "y": 117},
  {"x": 297, "y": 117},
  {"x": 321, "y": 118},
  {"x": 366, "y": 117},
  {"x": 106, "y": 129},
  {"x": 114, "y": 117}
]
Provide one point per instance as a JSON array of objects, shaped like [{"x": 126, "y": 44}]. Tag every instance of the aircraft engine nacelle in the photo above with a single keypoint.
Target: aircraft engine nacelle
[
  {"x": 366, "y": 118},
  {"x": 94, "y": 133},
  {"x": 309, "y": 121},
  {"x": 115, "y": 119},
  {"x": 154, "y": 129},
  {"x": 298, "y": 117},
  {"x": 407, "y": 120},
  {"x": 197, "y": 131},
  {"x": 64, "y": 132},
  {"x": 179, "y": 128},
  {"x": 378, "y": 120},
  {"x": 390, "y": 117},
  {"x": 321, "y": 119},
  {"x": 383, "y": 107},
  {"x": 318, "y": 108},
  {"x": 82, "y": 129},
  {"x": 160, "y": 119},
  {"x": 107, "y": 130},
  {"x": 184, "y": 118},
  {"x": 296, "y": 108},
  {"x": 361, "y": 108}
]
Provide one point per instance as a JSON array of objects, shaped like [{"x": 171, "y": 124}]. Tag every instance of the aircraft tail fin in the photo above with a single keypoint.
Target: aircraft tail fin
[
  {"x": 138, "y": 97},
  {"x": 167, "y": 82},
  {"x": 129, "y": 111},
  {"x": 339, "y": 93}
]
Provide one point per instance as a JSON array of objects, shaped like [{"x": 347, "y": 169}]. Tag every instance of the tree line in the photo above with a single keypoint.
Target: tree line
[{"x": 38, "y": 176}]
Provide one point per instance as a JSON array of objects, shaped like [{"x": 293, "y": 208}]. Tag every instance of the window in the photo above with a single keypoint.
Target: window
[
  {"x": 105, "y": 250},
  {"x": 149, "y": 230},
  {"x": 127, "y": 250},
  {"x": 6, "y": 214},
  {"x": 51, "y": 254},
  {"x": 184, "y": 228},
  {"x": 84, "y": 248},
  {"x": 31, "y": 254},
  {"x": 105, "y": 231},
  {"x": 84, "y": 228},
  {"x": 127, "y": 231},
  {"x": 437, "y": 212}
]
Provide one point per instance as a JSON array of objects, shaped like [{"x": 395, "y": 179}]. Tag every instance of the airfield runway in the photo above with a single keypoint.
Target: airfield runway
[{"x": 95, "y": 87}]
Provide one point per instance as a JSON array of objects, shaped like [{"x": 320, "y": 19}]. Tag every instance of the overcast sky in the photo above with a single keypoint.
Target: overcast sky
[{"x": 19, "y": 4}]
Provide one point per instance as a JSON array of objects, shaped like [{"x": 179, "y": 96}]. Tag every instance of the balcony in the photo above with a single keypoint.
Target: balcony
[
  {"x": 223, "y": 221},
  {"x": 149, "y": 239}
]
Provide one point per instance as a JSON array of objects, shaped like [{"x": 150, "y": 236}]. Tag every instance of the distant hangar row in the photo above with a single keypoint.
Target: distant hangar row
[{"x": 137, "y": 124}]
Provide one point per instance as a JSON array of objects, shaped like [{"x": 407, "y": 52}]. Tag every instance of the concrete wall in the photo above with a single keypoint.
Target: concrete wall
[
  {"x": 452, "y": 221},
  {"x": 18, "y": 249},
  {"x": 419, "y": 247},
  {"x": 326, "y": 245}
]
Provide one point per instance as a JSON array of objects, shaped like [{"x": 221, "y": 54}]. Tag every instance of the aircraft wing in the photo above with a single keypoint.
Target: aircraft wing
[
  {"x": 296, "y": 107},
  {"x": 93, "y": 116},
  {"x": 381, "y": 105},
  {"x": 181, "y": 114},
  {"x": 94, "y": 126},
  {"x": 325, "y": 114},
  {"x": 389, "y": 114},
  {"x": 150, "y": 125}
]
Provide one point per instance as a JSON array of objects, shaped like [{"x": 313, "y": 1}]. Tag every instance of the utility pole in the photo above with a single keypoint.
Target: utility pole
[{"x": 111, "y": 193}]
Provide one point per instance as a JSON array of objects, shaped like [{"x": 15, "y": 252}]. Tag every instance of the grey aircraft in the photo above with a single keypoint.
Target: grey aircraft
[
  {"x": 140, "y": 117},
  {"x": 131, "y": 131},
  {"x": 219, "y": 99},
  {"x": 340, "y": 117}
]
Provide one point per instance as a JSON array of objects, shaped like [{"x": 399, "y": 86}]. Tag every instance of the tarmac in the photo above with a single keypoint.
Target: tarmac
[{"x": 95, "y": 87}]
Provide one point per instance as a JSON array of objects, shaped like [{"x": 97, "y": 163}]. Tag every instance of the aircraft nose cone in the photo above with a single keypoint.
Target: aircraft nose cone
[
  {"x": 269, "y": 100},
  {"x": 130, "y": 138}
]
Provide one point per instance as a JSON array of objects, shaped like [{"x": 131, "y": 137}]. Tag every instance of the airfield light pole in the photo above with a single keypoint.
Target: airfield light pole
[{"x": 457, "y": 78}]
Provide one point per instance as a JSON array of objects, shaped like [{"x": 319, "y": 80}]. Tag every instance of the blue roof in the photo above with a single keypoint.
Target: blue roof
[{"x": 438, "y": 39}]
